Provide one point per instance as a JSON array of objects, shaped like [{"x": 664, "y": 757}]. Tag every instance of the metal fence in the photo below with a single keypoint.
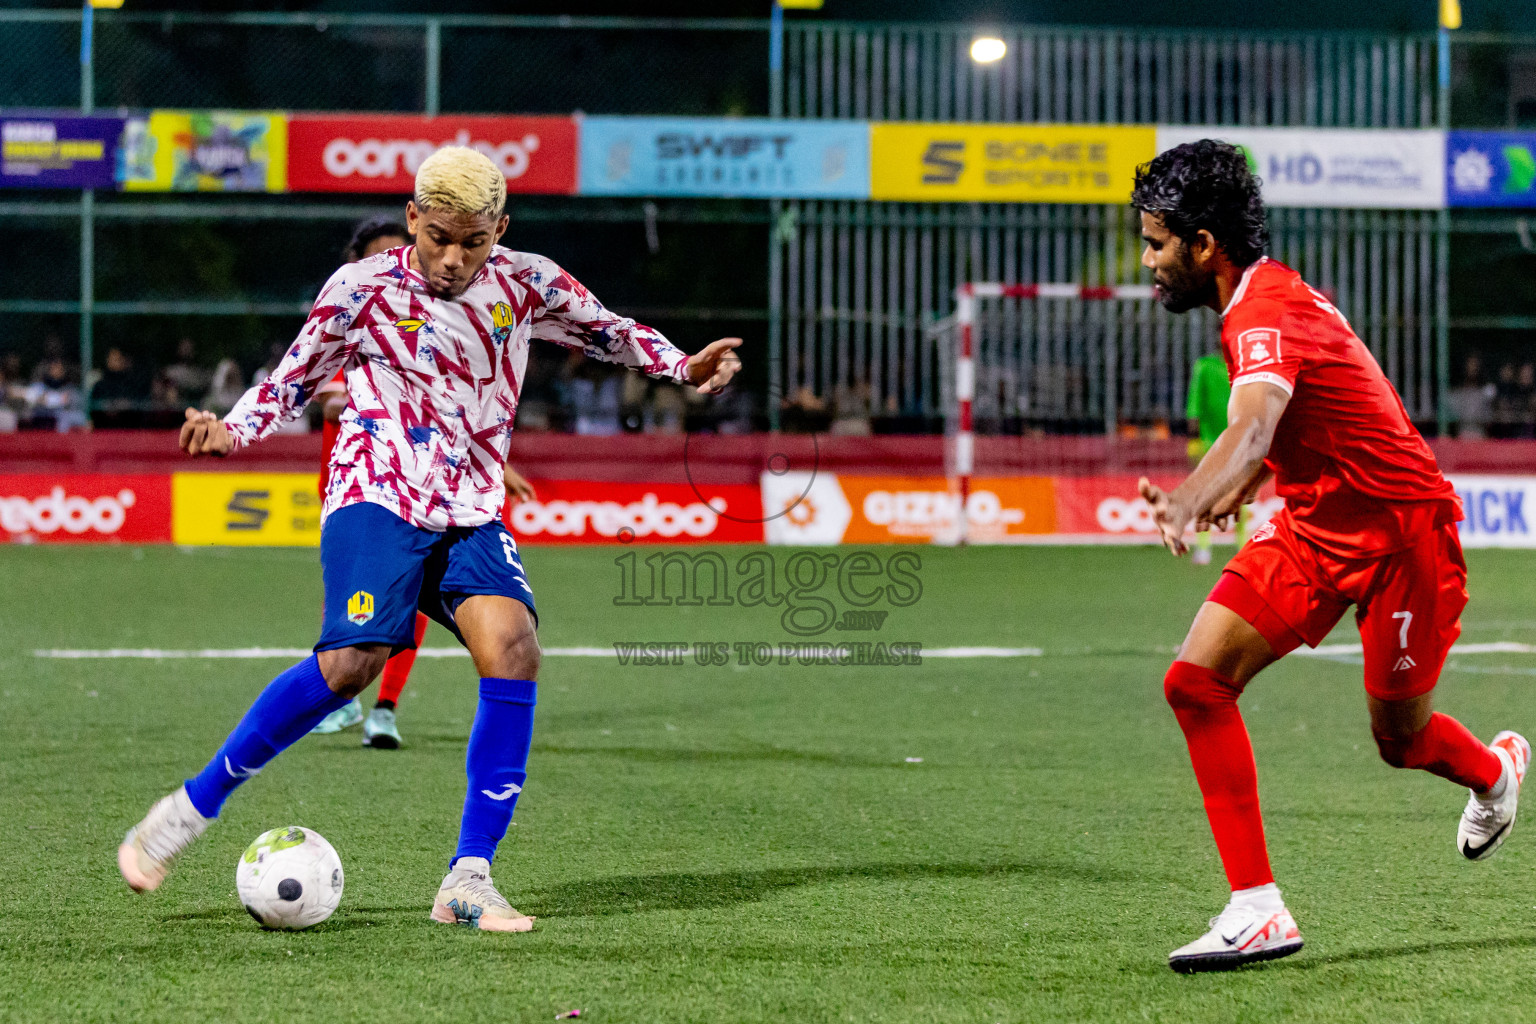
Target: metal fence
[{"x": 853, "y": 288}]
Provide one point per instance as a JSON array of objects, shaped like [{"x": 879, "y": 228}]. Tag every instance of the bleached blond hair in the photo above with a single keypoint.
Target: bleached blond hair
[{"x": 458, "y": 179}]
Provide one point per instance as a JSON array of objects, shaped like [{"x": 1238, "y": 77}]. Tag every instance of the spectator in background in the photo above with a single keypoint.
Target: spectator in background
[
  {"x": 10, "y": 397},
  {"x": 190, "y": 381},
  {"x": 121, "y": 395},
  {"x": 53, "y": 353},
  {"x": 275, "y": 353},
  {"x": 1472, "y": 402},
  {"x": 53, "y": 402},
  {"x": 592, "y": 394},
  {"x": 1506, "y": 403},
  {"x": 1525, "y": 401},
  {"x": 225, "y": 389}
]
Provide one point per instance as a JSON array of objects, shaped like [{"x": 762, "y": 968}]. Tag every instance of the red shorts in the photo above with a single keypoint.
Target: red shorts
[{"x": 1408, "y": 603}]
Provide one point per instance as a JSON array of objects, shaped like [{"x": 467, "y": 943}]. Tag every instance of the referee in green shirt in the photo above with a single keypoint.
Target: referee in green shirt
[{"x": 1209, "y": 392}]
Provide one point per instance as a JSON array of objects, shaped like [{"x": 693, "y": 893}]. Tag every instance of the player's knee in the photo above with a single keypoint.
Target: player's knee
[
  {"x": 1189, "y": 687},
  {"x": 513, "y": 655},
  {"x": 1393, "y": 749},
  {"x": 349, "y": 670}
]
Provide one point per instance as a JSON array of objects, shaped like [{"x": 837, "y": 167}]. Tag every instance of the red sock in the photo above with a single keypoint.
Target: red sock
[
  {"x": 1445, "y": 748},
  {"x": 1206, "y": 706},
  {"x": 398, "y": 669}
]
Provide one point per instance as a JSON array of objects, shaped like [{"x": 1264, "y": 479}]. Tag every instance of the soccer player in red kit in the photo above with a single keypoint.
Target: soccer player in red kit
[
  {"x": 1369, "y": 521},
  {"x": 380, "y": 731}
]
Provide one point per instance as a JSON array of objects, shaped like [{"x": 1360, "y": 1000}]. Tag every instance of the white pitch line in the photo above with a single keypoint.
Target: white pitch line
[{"x": 247, "y": 653}]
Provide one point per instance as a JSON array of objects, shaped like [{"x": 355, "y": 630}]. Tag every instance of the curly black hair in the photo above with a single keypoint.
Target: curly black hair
[
  {"x": 369, "y": 231},
  {"x": 1206, "y": 185}
]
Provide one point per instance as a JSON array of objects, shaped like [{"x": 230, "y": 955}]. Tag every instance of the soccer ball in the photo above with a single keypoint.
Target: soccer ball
[{"x": 289, "y": 878}]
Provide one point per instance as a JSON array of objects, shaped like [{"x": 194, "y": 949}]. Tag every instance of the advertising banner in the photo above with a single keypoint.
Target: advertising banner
[
  {"x": 206, "y": 151},
  {"x": 380, "y": 152},
  {"x": 588, "y": 512},
  {"x": 1491, "y": 169},
  {"x": 42, "y": 151},
  {"x": 50, "y": 508},
  {"x": 246, "y": 509},
  {"x": 1000, "y": 163},
  {"x": 1500, "y": 511},
  {"x": 1100, "y": 509},
  {"x": 832, "y": 508},
  {"x": 698, "y": 156},
  {"x": 1335, "y": 167}
]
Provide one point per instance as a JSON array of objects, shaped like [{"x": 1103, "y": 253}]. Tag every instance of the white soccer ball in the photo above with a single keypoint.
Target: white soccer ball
[{"x": 289, "y": 878}]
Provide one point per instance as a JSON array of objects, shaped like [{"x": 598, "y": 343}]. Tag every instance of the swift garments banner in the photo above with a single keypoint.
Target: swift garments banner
[
  {"x": 381, "y": 152},
  {"x": 42, "y": 151},
  {"x": 85, "y": 509}
]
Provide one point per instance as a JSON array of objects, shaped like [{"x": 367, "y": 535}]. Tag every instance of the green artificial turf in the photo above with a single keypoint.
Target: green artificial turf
[{"x": 735, "y": 843}]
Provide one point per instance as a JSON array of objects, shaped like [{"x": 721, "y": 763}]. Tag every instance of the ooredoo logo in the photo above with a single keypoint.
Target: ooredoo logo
[
  {"x": 57, "y": 511},
  {"x": 644, "y": 518},
  {"x": 1117, "y": 515},
  {"x": 385, "y": 158},
  {"x": 382, "y": 153}
]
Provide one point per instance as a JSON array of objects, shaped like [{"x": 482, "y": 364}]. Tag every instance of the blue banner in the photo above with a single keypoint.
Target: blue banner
[
  {"x": 1490, "y": 169},
  {"x": 47, "y": 151},
  {"x": 724, "y": 157}
]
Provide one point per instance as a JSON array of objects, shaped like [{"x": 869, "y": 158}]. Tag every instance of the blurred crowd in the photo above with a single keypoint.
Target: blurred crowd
[
  {"x": 1496, "y": 405},
  {"x": 562, "y": 392}
]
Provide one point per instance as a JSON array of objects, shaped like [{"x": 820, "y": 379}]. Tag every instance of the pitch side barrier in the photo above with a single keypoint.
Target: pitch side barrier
[{"x": 1076, "y": 491}]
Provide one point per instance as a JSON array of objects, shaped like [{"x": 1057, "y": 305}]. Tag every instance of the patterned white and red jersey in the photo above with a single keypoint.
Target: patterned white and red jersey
[{"x": 434, "y": 382}]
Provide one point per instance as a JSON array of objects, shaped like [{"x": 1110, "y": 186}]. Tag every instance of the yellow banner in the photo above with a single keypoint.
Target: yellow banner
[
  {"x": 1007, "y": 163},
  {"x": 206, "y": 151},
  {"x": 248, "y": 509}
]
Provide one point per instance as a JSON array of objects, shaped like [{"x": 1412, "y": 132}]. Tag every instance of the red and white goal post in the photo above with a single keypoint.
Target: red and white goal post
[{"x": 963, "y": 455}]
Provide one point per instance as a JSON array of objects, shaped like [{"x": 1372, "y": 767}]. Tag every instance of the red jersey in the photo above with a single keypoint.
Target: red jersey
[{"x": 1357, "y": 478}]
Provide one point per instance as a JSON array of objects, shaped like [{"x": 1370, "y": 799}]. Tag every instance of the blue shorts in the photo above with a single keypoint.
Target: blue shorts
[{"x": 379, "y": 570}]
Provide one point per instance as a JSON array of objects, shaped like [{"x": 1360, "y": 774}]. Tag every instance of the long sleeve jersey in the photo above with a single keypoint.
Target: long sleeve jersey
[{"x": 434, "y": 382}]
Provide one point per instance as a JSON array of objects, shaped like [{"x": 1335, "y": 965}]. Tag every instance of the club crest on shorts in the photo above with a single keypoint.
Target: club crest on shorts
[{"x": 360, "y": 607}]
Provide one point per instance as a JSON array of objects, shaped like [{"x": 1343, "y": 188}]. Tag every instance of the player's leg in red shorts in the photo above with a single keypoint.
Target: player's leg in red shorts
[
  {"x": 1409, "y": 616},
  {"x": 398, "y": 669},
  {"x": 1266, "y": 604}
]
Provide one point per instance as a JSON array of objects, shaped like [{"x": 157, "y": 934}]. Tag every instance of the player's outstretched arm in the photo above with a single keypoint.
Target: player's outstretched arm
[
  {"x": 1234, "y": 462},
  {"x": 205, "y": 434}
]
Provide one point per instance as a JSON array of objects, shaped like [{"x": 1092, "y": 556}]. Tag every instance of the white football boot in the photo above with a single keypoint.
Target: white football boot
[
  {"x": 1240, "y": 934},
  {"x": 1488, "y": 820},
  {"x": 150, "y": 846},
  {"x": 468, "y": 896}
]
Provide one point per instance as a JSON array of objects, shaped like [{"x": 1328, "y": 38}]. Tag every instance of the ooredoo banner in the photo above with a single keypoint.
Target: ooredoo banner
[
  {"x": 381, "y": 152},
  {"x": 1099, "y": 509},
  {"x": 84, "y": 509},
  {"x": 590, "y": 512}
]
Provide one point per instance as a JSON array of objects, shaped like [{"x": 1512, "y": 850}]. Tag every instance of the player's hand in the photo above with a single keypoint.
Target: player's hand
[
  {"x": 1170, "y": 517},
  {"x": 205, "y": 434},
  {"x": 713, "y": 367},
  {"x": 518, "y": 489}
]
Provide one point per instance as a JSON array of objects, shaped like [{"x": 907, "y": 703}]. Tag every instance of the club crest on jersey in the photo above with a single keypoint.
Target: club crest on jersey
[
  {"x": 360, "y": 607},
  {"x": 502, "y": 321},
  {"x": 1257, "y": 347},
  {"x": 410, "y": 325}
]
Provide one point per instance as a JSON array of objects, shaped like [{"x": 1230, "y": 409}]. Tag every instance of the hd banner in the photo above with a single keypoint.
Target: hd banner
[
  {"x": 746, "y": 157},
  {"x": 1330, "y": 167},
  {"x": 1491, "y": 169},
  {"x": 1007, "y": 163},
  {"x": 205, "y": 151},
  {"x": 380, "y": 152},
  {"x": 47, "y": 151}
]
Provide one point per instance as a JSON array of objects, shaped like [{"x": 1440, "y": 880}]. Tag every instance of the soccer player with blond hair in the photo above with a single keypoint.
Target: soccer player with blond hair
[{"x": 433, "y": 339}]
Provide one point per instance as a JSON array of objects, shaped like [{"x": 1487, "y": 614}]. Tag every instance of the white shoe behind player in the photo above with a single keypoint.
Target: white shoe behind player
[
  {"x": 1487, "y": 820},
  {"x": 1241, "y": 934}
]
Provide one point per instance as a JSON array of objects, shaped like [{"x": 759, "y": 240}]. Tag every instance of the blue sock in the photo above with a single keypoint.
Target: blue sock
[
  {"x": 496, "y": 764},
  {"x": 290, "y": 706}
]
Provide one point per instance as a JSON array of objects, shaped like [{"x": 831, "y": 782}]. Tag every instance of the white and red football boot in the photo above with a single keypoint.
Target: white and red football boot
[
  {"x": 1487, "y": 820},
  {"x": 1240, "y": 934}
]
